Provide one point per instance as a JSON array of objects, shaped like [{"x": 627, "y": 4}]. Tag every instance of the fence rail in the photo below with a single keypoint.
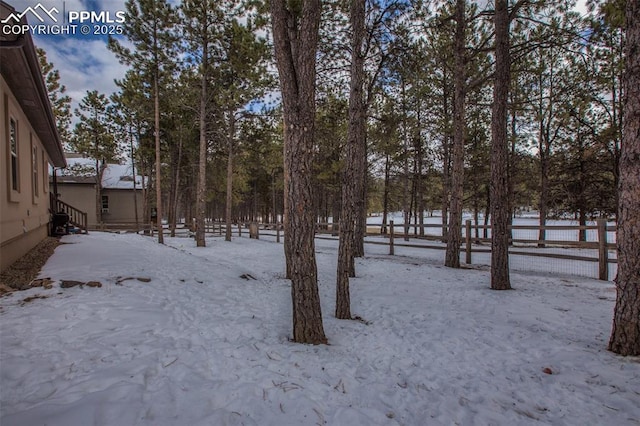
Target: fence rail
[
  {"x": 521, "y": 246},
  {"x": 595, "y": 250},
  {"x": 124, "y": 226}
]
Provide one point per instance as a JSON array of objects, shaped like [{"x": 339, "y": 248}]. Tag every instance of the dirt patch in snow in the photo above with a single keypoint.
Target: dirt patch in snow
[{"x": 21, "y": 275}]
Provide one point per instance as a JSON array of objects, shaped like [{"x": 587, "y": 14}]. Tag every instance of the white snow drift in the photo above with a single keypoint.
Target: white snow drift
[{"x": 206, "y": 342}]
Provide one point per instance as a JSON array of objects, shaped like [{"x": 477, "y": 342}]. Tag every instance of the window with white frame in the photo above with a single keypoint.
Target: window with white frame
[
  {"x": 45, "y": 174},
  {"x": 105, "y": 204},
  {"x": 34, "y": 167},
  {"x": 13, "y": 143}
]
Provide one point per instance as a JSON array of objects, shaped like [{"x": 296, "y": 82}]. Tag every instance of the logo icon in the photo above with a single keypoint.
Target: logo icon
[{"x": 38, "y": 11}]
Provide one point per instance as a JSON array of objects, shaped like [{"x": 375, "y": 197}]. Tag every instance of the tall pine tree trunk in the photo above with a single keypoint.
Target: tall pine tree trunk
[
  {"x": 351, "y": 183},
  {"x": 406, "y": 214},
  {"x": 544, "y": 144},
  {"x": 419, "y": 180},
  {"x": 361, "y": 205},
  {"x": 98, "y": 192},
  {"x": 201, "y": 189},
  {"x": 336, "y": 206},
  {"x": 454, "y": 235},
  {"x": 543, "y": 206},
  {"x": 500, "y": 154},
  {"x": 361, "y": 212},
  {"x": 175, "y": 195},
  {"x": 295, "y": 36},
  {"x": 385, "y": 198},
  {"x": 133, "y": 172},
  {"x": 446, "y": 187},
  {"x": 229, "y": 200},
  {"x": 285, "y": 214},
  {"x": 513, "y": 158},
  {"x": 146, "y": 192},
  {"x": 446, "y": 155},
  {"x": 156, "y": 96},
  {"x": 171, "y": 211},
  {"x": 625, "y": 336}
]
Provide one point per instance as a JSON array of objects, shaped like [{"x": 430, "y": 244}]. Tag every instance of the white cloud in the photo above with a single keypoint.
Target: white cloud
[
  {"x": 581, "y": 7},
  {"x": 84, "y": 64}
]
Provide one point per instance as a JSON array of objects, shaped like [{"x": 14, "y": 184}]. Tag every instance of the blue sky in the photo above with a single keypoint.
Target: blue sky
[{"x": 84, "y": 61}]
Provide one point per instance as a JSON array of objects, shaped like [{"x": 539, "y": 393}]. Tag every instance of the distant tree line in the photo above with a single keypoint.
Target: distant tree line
[{"x": 215, "y": 69}]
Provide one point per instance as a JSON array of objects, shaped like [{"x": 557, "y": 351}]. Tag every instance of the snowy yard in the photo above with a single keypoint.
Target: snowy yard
[{"x": 205, "y": 342}]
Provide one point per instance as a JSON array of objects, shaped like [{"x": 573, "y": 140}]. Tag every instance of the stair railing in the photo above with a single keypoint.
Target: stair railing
[{"x": 77, "y": 217}]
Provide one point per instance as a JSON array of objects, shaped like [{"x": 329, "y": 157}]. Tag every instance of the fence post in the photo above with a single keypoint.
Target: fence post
[
  {"x": 406, "y": 231},
  {"x": 391, "y": 232},
  {"x": 468, "y": 238},
  {"x": 239, "y": 229},
  {"x": 254, "y": 230},
  {"x": 603, "y": 251}
]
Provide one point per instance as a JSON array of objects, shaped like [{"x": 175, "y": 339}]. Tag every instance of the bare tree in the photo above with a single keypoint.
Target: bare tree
[
  {"x": 295, "y": 36},
  {"x": 625, "y": 336}
]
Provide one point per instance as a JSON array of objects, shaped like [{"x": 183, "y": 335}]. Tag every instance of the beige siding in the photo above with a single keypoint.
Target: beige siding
[
  {"x": 80, "y": 196},
  {"x": 83, "y": 197},
  {"x": 121, "y": 206},
  {"x": 24, "y": 213}
]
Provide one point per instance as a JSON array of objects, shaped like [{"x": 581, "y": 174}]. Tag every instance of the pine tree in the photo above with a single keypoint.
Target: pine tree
[
  {"x": 295, "y": 35},
  {"x": 129, "y": 118},
  {"x": 93, "y": 137},
  {"x": 242, "y": 77},
  {"x": 351, "y": 179},
  {"x": 454, "y": 235},
  {"x": 625, "y": 335},
  {"x": 131, "y": 107},
  {"x": 149, "y": 26},
  {"x": 202, "y": 20},
  {"x": 60, "y": 101},
  {"x": 500, "y": 153},
  {"x": 331, "y": 134},
  {"x": 606, "y": 50}
]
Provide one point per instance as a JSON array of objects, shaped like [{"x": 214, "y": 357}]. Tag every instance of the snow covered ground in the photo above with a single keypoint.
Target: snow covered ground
[{"x": 206, "y": 342}]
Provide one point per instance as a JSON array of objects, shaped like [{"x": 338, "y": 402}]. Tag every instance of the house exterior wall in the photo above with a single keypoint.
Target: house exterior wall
[
  {"x": 80, "y": 196},
  {"x": 120, "y": 204},
  {"x": 24, "y": 196}
]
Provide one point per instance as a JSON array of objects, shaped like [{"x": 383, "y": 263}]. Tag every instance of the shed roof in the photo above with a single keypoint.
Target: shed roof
[{"x": 116, "y": 176}]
